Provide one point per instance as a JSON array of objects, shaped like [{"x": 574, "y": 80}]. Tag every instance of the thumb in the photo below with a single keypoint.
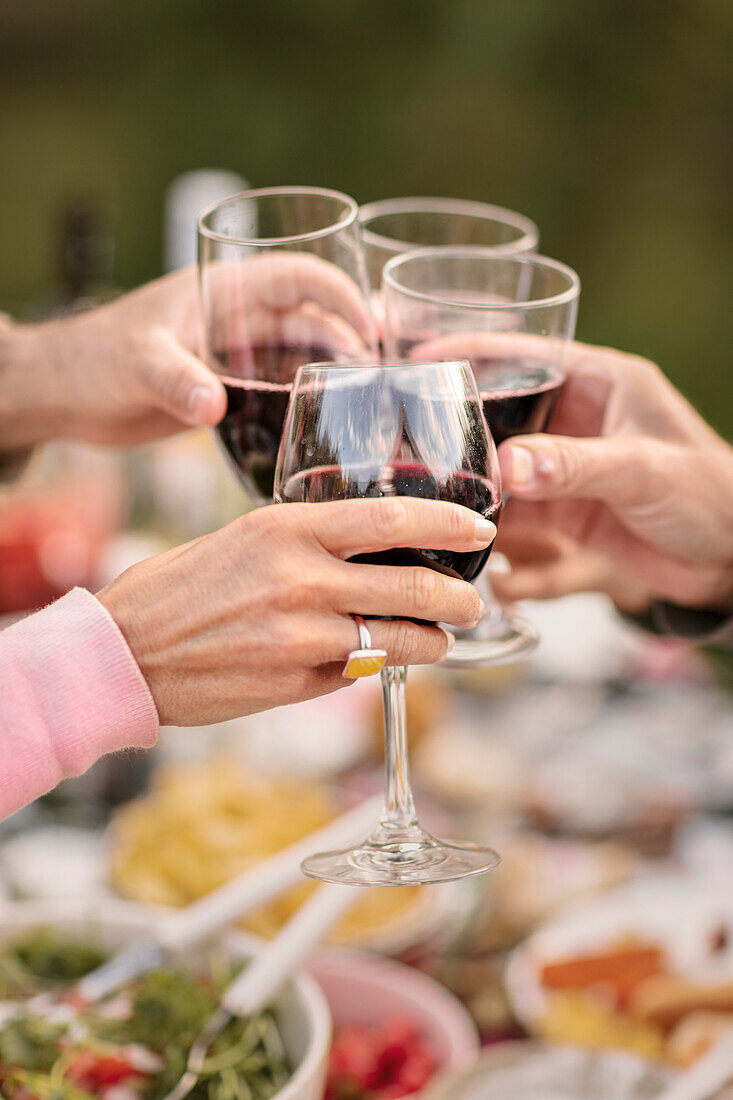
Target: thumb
[
  {"x": 618, "y": 471},
  {"x": 175, "y": 381}
]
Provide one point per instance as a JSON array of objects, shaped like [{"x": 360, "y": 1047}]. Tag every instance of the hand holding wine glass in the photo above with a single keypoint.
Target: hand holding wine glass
[
  {"x": 511, "y": 316},
  {"x": 129, "y": 371},
  {"x": 269, "y": 621},
  {"x": 124, "y": 373},
  {"x": 632, "y": 475},
  {"x": 392, "y": 433},
  {"x": 283, "y": 283}
]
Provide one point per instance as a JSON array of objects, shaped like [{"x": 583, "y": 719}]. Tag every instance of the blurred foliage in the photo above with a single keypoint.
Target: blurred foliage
[{"x": 607, "y": 121}]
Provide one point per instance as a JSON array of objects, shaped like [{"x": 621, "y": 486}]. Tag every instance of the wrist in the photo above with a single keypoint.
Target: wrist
[
  {"x": 723, "y": 599},
  {"x": 726, "y": 504},
  {"x": 709, "y": 536},
  {"x": 129, "y": 604},
  {"x": 34, "y": 384}
]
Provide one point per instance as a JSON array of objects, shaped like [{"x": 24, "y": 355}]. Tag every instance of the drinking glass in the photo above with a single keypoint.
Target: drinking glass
[
  {"x": 283, "y": 282},
  {"x": 393, "y": 226},
  {"x": 513, "y": 318},
  {"x": 380, "y": 431}
]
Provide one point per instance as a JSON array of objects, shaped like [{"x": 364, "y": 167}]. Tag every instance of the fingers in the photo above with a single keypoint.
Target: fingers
[
  {"x": 581, "y": 571},
  {"x": 405, "y": 643},
  {"x": 409, "y": 592},
  {"x": 285, "y": 280},
  {"x": 282, "y": 282},
  {"x": 621, "y": 471},
  {"x": 146, "y": 429},
  {"x": 410, "y": 643},
  {"x": 306, "y": 326},
  {"x": 174, "y": 381},
  {"x": 489, "y": 345},
  {"x": 503, "y": 344},
  {"x": 311, "y": 326},
  {"x": 585, "y": 573},
  {"x": 349, "y": 527}
]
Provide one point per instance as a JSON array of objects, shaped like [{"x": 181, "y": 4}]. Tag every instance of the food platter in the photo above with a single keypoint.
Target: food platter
[{"x": 687, "y": 919}]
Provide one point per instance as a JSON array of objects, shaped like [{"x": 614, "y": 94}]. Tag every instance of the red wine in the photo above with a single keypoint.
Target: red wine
[
  {"x": 518, "y": 395},
  {"x": 258, "y": 382},
  {"x": 251, "y": 430},
  {"x": 408, "y": 480}
]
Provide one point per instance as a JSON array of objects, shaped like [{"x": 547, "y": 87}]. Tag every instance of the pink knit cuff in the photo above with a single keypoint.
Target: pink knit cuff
[{"x": 70, "y": 691}]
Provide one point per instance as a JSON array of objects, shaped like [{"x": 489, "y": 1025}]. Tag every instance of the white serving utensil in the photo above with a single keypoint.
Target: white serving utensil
[
  {"x": 269, "y": 970},
  {"x": 184, "y": 929},
  {"x": 707, "y": 1076}
]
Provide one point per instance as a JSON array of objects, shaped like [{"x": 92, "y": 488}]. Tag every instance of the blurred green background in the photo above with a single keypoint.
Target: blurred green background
[{"x": 607, "y": 121}]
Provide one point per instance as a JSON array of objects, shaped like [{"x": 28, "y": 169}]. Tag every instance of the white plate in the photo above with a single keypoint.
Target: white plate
[
  {"x": 535, "y": 1071},
  {"x": 681, "y": 913}
]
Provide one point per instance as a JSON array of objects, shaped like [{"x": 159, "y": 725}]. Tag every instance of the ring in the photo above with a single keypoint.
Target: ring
[{"x": 364, "y": 661}]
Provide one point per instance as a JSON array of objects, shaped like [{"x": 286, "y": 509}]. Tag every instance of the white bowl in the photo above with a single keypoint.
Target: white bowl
[
  {"x": 302, "y": 1012},
  {"x": 366, "y": 990}
]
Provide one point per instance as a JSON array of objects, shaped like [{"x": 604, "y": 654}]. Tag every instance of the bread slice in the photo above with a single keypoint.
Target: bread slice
[{"x": 664, "y": 999}]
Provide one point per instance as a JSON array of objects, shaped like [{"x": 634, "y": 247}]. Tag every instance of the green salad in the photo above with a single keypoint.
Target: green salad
[{"x": 132, "y": 1046}]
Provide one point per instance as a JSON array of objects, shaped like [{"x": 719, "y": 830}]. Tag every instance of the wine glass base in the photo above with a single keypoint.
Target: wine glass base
[
  {"x": 501, "y": 642},
  {"x": 405, "y": 862}
]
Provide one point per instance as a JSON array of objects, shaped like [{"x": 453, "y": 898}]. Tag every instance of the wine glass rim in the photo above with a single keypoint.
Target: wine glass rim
[
  {"x": 328, "y": 365},
  {"x": 348, "y": 218},
  {"x": 473, "y": 208},
  {"x": 476, "y": 252}
]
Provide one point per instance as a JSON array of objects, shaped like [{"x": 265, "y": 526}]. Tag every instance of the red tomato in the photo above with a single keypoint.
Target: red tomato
[
  {"x": 416, "y": 1072},
  {"x": 378, "y": 1063},
  {"x": 92, "y": 1071}
]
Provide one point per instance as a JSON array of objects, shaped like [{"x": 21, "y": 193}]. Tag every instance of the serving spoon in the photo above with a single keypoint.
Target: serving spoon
[{"x": 185, "y": 929}]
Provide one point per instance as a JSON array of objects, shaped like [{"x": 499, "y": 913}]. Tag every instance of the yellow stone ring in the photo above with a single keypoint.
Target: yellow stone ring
[{"x": 364, "y": 661}]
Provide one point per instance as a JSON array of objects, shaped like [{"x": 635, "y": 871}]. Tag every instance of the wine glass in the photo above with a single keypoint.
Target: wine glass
[
  {"x": 379, "y": 431},
  {"x": 512, "y": 317},
  {"x": 393, "y": 226},
  {"x": 283, "y": 282}
]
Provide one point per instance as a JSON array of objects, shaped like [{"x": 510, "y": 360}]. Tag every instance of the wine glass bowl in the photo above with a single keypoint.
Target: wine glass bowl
[
  {"x": 388, "y": 431},
  {"x": 512, "y": 317},
  {"x": 283, "y": 283}
]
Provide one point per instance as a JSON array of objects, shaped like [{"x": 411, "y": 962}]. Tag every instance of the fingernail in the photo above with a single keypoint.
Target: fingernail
[
  {"x": 451, "y": 638},
  {"x": 481, "y": 608},
  {"x": 517, "y": 467},
  {"x": 485, "y": 530},
  {"x": 199, "y": 403}
]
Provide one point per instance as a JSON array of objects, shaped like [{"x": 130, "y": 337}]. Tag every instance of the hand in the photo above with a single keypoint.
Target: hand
[
  {"x": 547, "y": 562},
  {"x": 258, "y": 614},
  {"x": 128, "y": 372},
  {"x": 635, "y": 481}
]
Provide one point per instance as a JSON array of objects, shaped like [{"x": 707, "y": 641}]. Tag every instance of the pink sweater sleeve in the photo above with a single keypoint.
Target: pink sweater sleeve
[{"x": 70, "y": 691}]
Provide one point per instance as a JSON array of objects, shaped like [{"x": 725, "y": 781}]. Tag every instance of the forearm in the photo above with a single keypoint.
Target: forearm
[{"x": 70, "y": 691}]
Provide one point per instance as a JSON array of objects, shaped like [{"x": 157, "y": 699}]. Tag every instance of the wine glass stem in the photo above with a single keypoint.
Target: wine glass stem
[
  {"x": 493, "y": 612},
  {"x": 399, "y": 807}
]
